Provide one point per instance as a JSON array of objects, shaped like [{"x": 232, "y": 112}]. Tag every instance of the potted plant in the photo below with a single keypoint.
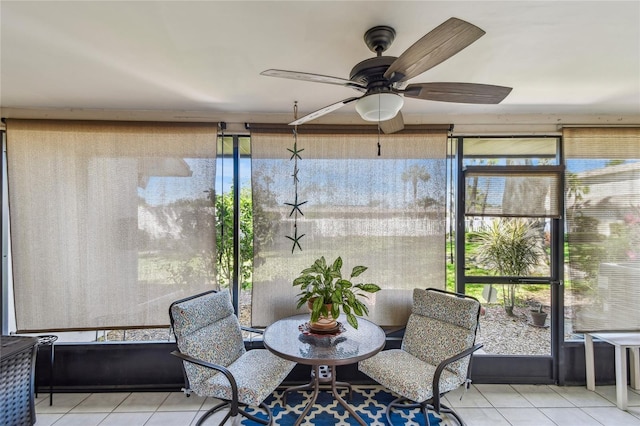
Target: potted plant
[
  {"x": 510, "y": 248},
  {"x": 327, "y": 293},
  {"x": 538, "y": 316}
]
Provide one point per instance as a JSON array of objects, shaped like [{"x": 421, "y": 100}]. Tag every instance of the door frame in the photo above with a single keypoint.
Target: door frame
[{"x": 491, "y": 368}]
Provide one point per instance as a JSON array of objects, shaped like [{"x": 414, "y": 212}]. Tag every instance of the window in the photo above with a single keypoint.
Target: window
[
  {"x": 603, "y": 228},
  {"x": 235, "y": 208},
  {"x": 383, "y": 211},
  {"x": 110, "y": 221}
]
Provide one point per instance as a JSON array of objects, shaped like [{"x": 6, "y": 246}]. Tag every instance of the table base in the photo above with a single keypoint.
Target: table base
[
  {"x": 314, "y": 385},
  {"x": 324, "y": 383}
]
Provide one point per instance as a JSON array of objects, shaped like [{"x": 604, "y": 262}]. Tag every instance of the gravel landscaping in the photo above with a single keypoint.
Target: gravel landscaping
[{"x": 512, "y": 335}]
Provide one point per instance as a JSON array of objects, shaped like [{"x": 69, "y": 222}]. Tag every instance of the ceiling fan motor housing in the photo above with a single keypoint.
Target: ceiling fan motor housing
[{"x": 370, "y": 72}]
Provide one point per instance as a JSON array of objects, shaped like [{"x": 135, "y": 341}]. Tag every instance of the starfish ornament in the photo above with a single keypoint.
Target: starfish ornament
[
  {"x": 296, "y": 206},
  {"x": 295, "y": 152},
  {"x": 295, "y": 174},
  {"x": 296, "y": 240}
]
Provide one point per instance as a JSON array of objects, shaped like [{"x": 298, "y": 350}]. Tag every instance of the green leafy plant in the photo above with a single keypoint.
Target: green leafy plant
[
  {"x": 322, "y": 285},
  {"x": 510, "y": 248},
  {"x": 224, "y": 218}
]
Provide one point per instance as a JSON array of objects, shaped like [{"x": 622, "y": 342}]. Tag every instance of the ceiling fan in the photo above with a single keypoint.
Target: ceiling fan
[{"x": 382, "y": 79}]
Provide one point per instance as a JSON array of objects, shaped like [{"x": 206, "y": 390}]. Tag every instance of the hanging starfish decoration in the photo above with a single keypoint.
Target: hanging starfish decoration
[
  {"x": 295, "y": 239},
  {"x": 295, "y": 156},
  {"x": 295, "y": 174},
  {"x": 296, "y": 206},
  {"x": 295, "y": 152}
]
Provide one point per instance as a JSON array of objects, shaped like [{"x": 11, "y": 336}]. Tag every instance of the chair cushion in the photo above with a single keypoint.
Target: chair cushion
[
  {"x": 206, "y": 328},
  {"x": 462, "y": 312},
  {"x": 258, "y": 373},
  {"x": 193, "y": 314},
  {"x": 407, "y": 375},
  {"x": 433, "y": 341},
  {"x": 439, "y": 327}
]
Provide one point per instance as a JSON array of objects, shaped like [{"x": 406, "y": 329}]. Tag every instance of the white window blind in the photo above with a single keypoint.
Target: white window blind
[
  {"x": 110, "y": 221},
  {"x": 516, "y": 191},
  {"x": 602, "y": 194},
  {"x": 385, "y": 212}
]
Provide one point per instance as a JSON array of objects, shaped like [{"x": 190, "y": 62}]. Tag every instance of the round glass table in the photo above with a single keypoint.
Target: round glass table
[{"x": 291, "y": 339}]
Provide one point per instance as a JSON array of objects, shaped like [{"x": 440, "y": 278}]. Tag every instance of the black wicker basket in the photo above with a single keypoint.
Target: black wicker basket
[{"x": 17, "y": 368}]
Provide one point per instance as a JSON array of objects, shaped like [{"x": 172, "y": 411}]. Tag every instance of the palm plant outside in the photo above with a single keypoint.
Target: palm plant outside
[{"x": 509, "y": 247}]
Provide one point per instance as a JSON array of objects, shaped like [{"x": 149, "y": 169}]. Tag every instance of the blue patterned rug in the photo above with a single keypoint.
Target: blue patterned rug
[{"x": 369, "y": 402}]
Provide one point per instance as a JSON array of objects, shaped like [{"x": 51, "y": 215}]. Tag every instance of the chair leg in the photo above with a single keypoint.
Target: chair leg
[
  {"x": 401, "y": 403},
  {"x": 448, "y": 410},
  {"x": 404, "y": 403},
  {"x": 241, "y": 412},
  {"x": 267, "y": 421}
]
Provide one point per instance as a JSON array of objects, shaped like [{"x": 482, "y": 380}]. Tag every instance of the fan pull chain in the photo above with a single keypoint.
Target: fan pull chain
[
  {"x": 378, "y": 139},
  {"x": 378, "y": 125}
]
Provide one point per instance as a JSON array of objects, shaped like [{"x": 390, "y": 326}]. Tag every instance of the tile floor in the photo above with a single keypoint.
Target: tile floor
[{"x": 494, "y": 405}]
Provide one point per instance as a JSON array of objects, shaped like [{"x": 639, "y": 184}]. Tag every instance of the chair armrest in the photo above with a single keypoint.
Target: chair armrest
[
  {"x": 220, "y": 368},
  {"x": 443, "y": 365}
]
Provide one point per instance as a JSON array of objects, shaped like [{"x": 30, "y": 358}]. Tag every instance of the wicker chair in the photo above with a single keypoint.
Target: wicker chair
[
  {"x": 216, "y": 364},
  {"x": 435, "y": 355}
]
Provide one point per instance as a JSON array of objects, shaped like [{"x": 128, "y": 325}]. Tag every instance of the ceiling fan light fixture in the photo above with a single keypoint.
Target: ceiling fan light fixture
[{"x": 379, "y": 106}]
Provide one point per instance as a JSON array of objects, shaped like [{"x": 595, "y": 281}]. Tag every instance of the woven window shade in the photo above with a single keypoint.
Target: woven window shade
[
  {"x": 110, "y": 221},
  {"x": 600, "y": 142},
  {"x": 519, "y": 192},
  {"x": 603, "y": 227},
  {"x": 385, "y": 212}
]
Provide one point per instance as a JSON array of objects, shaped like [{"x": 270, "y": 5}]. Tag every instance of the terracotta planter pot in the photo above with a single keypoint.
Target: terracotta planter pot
[
  {"x": 538, "y": 318},
  {"x": 324, "y": 323}
]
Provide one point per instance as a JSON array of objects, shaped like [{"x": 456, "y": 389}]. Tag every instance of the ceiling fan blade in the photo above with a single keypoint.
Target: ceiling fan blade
[
  {"x": 439, "y": 44},
  {"x": 316, "y": 78},
  {"x": 322, "y": 111},
  {"x": 466, "y": 93},
  {"x": 393, "y": 125}
]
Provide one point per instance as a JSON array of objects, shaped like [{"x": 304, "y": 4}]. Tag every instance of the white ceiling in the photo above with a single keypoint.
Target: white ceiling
[{"x": 567, "y": 61}]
